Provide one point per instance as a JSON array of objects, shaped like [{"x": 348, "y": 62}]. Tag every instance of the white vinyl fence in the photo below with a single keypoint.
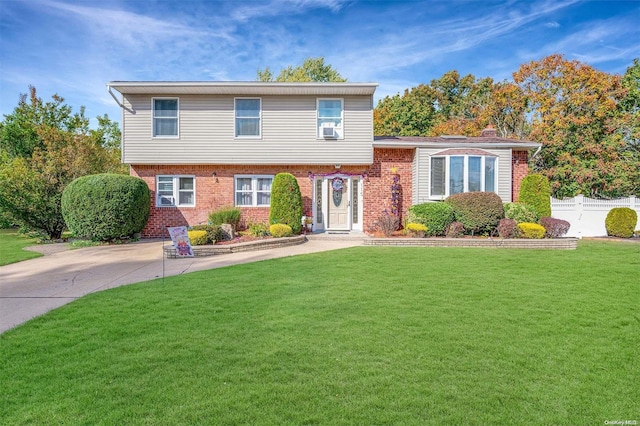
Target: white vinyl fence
[{"x": 587, "y": 215}]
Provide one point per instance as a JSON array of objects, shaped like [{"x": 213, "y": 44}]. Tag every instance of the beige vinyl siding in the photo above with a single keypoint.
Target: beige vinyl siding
[
  {"x": 207, "y": 133},
  {"x": 421, "y": 181}
]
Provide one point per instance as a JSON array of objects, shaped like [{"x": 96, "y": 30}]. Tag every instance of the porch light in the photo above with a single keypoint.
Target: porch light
[
  {"x": 215, "y": 177},
  {"x": 337, "y": 166}
]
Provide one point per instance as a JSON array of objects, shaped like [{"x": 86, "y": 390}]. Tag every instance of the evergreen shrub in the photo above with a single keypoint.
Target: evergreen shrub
[
  {"x": 197, "y": 238},
  {"x": 556, "y": 228},
  {"x": 286, "y": 202},
  {"x": 106, "y": 206},
  {"x": 531, "y": 230},
  {"x": 230, "y": 215},
  {"x": 507, "y": 228},
  {"x": 418, "y": 229},
  {"x": 258, "y": 229},
  {"x": 435, "y": 216},
  {"x": 520, "y": 212},
  {"x": 214, "y": 232},
  {"x": 536, "y": 193},
  {"x": 621, "y": 221},
  {"x": 479, "y": 212},
  {"x": 279, "y": 230}
]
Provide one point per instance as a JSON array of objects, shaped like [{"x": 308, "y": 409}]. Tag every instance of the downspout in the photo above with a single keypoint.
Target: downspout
[{"x": 120, "y": 104}]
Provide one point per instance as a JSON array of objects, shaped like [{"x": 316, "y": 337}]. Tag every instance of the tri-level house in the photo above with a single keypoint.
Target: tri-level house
[{"x": 201, "y": 146}]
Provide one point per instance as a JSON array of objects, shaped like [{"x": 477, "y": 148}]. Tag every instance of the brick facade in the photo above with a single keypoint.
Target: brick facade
[{"x": 519, "y": 169}]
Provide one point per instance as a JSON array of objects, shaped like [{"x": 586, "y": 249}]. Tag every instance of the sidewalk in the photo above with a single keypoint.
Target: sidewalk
[{"x": 34, "y": 287}]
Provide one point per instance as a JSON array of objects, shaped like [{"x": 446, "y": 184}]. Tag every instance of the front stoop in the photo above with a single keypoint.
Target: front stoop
[
  {"x": 520, "y": 243},
  {"x": 210, "y": 250}
]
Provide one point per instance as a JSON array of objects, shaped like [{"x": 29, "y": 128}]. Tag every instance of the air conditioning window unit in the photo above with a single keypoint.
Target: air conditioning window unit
[
  {"x": 328, "y": 132},
  {"x": 166, "y": 200}
]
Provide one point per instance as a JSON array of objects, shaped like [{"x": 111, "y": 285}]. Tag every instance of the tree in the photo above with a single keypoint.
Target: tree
[
  {"x": 45, "y": 147},
  {"x": 312, "y": 69},
  {"x": 574, "y": 110}
]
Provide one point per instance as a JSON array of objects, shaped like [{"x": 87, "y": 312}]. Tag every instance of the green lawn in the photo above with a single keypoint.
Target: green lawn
[
  {"x": 368, "y": 335},
  {"x": 11, "y": 245}
]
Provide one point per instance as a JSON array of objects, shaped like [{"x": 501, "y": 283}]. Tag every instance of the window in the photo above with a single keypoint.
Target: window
[
  {"x": 175, "y": 191},
  {"x": 452, "y": 174},
  {"x": 330, "y": 115},
  {"x": 165, "y": 118},
  {"x": 253, "y": 190},
  {"x": 248, "y": 117}
]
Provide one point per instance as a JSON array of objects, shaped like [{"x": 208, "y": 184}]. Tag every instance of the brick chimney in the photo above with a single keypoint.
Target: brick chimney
[{"x": 489, "y": 132}]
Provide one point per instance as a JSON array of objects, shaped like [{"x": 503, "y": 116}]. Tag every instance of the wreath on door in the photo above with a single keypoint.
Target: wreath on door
[{"x": 338, "y": 184}]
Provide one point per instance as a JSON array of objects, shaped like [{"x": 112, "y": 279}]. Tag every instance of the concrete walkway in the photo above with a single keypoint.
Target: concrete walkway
[{"x": 34, "y": 287}]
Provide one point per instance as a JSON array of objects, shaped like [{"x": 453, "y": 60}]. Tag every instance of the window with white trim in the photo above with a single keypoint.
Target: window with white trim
[
  {"x": 330, "y": 115},
  {"x": 452, "y": 174},
  {"x": 165, "y": 117},
  {"x": 248, "y": 113},
  {"x": 175, "y": 191},
  {"x": 253, "y": 191}
]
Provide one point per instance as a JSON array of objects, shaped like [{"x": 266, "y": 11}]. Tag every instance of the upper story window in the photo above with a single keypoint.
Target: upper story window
[
  {"x": 175, "y": 191},
  {"x": 452, "y": 174},
  {"x": 330, "y": 118},
  {"x": 248, "y": 113},
  {"x": 165, "y": 117},
  {"x": 253, "y": 190}
]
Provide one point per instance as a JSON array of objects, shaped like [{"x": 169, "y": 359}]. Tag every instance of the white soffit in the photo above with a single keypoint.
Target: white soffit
[{"x": 240, "y": 88}]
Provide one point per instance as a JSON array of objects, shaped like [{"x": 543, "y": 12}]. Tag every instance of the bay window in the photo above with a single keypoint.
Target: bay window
[{"x": 453, "y": 174}]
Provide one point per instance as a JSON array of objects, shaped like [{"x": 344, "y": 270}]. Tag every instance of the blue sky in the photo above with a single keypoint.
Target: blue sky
[{"x": 75, "y": 48}]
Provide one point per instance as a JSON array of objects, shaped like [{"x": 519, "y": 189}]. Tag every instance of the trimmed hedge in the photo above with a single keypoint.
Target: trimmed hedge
[
  {"x": 621, "y": 221},
  {"x": 106, "y": 206},
  {"x": 435, "y": 216},
  {"x": 278, "y": 230},
  {"x": 536, "y": 192},
  {"x": 479, "y": 212},
  {"x": 286, "y": 202},
  {"x": 531, "y": 230},
  {"x": 556, "y": 228},
  {"x": 520, "y": 212},
  {"x": 197, "y": 238}
]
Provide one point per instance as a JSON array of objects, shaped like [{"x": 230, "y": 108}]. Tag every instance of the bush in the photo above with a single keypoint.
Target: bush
[
  {"x": 104, "y": 207},
  {"x": 531, "y": 230},
  {"x": 520, "y": 212},
  {"x": 507, "y": 228},
  {"x": 455, "y": 230},
  {"x": 556, "y": 228},
  {"x": 388, "y": 223},
  {"x": 621, "y": 222},
  {"x": 435, "y": 216},
  {"x": 286, "y": 202},
  {"x": 214, "y": 232},
  {"x": 258, "y": 229},
  {"x": 417, "y": 228},
  {"x": 536, "y": 193},
  {"x": 197, "y": 238},
  {"x": 230, "y": 215},
  {"x": 479, "y": 212},
  {"x": 279, "y": 230}
]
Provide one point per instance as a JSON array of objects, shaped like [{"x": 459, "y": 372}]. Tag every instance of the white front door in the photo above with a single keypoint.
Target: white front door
[{"x": 339, "y": 204}]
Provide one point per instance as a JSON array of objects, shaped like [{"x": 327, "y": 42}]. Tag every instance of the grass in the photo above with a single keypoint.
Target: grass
[
  {"x": 369, "y": 335},
  {"x": 11, "y": 247}
]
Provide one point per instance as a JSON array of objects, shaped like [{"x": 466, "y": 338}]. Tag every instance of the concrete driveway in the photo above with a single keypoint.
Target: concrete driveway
[{"x": 34, "y": 287}]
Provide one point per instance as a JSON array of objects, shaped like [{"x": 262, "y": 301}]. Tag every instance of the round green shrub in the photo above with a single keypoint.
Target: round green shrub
[
  {"x": 520, "y": 212},
  {"x": 536, "y": 193},
  {"x": 531, "y": 230},
  {"x": 479, "y": 212},
  {"x": 214, "y": 232},
  {"x": 106, "y": 206},
  {"x": 620, "y": 222},
  {"x": 279, "y": 230},
  {"x": 286, "y": 202},
  {"x": 435, "y": 216},
  {"x": 197, "y": 238}
]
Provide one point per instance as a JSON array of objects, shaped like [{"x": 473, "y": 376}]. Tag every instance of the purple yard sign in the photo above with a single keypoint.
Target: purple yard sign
[{"x": 181, "y": 241}]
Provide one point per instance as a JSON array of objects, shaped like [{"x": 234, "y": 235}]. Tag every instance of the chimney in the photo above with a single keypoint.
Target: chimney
[{"x": 489, "y": 132}]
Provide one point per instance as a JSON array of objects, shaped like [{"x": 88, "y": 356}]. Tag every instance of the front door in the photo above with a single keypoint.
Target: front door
[{"x": 338, "y": 204}]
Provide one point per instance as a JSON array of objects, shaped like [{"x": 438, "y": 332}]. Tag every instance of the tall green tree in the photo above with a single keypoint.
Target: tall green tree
[
  {"x": 312, "y": 69},
  {"x": 45, "y": 146}
]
